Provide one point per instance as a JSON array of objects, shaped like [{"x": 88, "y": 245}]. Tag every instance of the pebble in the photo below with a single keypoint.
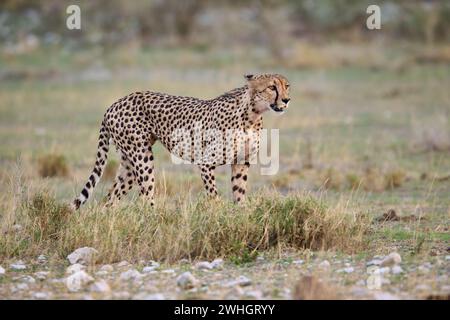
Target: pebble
[
  {"x": 41, "y": 275},
  {"x": 27, "y": 279},
  {"x": 203, "y": 265},
  {"x": 75, "y": 268},
  {"x": 242, "y": 281},
  {"x": 2, "y": 271},
  {"x": 78, "y": 280},
  {"x": 298, "y": 262},
  {"x": 149, "y": 269},
  {"x": 373, "y": 262},
  {"x": 155, "y": 296},
  {"x": 171, "y": 271},
  {"x": 42, "y": 259},
  {"x": 154, "y": 264},
  {"x": 131, "y": 274},
  {"x": 385, "y": 296},
  {"x": 123, "y": 263},
  {"x": 100, "y": 286},
  {"x": 186, "y": 281},
  {"x": 18, "y": 265},
  {"x": 396, "y": 270},
  {"x": 447, "y": 258},
  {"x": 107, "y": 268},
  {"x": 346, "y": 270},
  {"x": 85, "y": 255},
  {"x": 41, "y": 295},
  {"x": 217, "y": 263},
  {"x": 324, "y": 265},
  {"x": 21, "y": 286},
  {"x": 391, "y": 260}
]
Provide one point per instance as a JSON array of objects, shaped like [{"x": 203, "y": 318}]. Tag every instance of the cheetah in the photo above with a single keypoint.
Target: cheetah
[{"x": 135, "y": 122}]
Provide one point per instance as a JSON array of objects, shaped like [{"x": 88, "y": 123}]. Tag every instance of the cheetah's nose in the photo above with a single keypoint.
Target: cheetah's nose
[{"x": 285, "y": 100}]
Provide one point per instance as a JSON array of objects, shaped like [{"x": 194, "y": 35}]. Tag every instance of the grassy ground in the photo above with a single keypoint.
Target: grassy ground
[{"x": 365, "y": 139}]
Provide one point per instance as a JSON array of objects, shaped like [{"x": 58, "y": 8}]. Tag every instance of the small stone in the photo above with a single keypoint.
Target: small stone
[
  {"x": 217, "y": 263},
  {"x": 75, "y": 268},
  {"x": 27, "y": 279},
  {"x": 385, "y": 296},
  {"x": 154, "y": 296},
  {"x": 186, "y": 281},
  {"x": 2, "y": 271},
  {"x": 242, "y": 281},
  {"x": 346, "y": 270},
  {"x": 373, "y": 262},
  {"x": 16, "y": 227},
  {"x": 391, "y": 260},
  {"x": 41, "y": 275},
  {"x": 18, "y": 265},
  {"x": 396, "y": 270},
  {"x": 170, "y": 271},
  {"x": 42, "y": 259},
  {"x": 447, "y": 258},
  {"x": 85, "y": 255},
  {"x": 154, "y": 264},
  {"x": 298, "y": 262},
  {"x": 100, "y": 286},
  {"x": 203, "y": 265},
  {"x": 78, "y": 280},
  {"x": 123, "y": 264},
  {"x": 41, "y": 295},
  {"x": 149, "y": 269},
  {"x": 107, "y": 268},
  {"x": 21, "y": 287},
  {"x": 131, "y": 274},
  {"x": 384, "y": 270},
  {"x": 324, "y": 265},
  {"x": 253, "y": 294}
]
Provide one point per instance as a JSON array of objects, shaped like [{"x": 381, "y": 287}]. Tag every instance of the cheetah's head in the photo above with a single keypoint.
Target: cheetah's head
[{"x": 270, "y": 92}]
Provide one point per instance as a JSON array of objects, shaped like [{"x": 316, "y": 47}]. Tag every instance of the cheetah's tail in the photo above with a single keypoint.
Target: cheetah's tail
[{"x": 100, "y": 162}]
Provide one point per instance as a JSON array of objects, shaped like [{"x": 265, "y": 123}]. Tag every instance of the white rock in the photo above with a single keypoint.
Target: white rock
[
  {"x": 374, "y": 262},
  {"x": 217, "y": 263},
  {"x": 171, "y": 271},
  {"x": 298, "y": 262},
  {"x": 123, "y": 263},
  {"x": 447, "y": 258},
  {"x": 78, "y": 280},
  {"x": 153, "y": 296},
  {"x": 27, "y": 279},
  {"x": 203, "y": 265},
  {"x": 396, "y": 270},
  {"x": 41, "y": 295},
  {"x": 131, "y": 274},
  {"x": 385, "y": 296},
  {"x": 149, "y": 269},
  {"x": 41, "y": 275},
  {"x": 75, "y": 268},
  {"x": 100, "y": 286},
  {"x": 154, "y": 264},
  {"x": 253, "y": 294},
  {"x": 85, "y": 255},
  {"x": 186, "y": 281},
  {"x": 324, "y": 265},
  {"x": 242, "y": 281},
  {"x": 107, "y": 268},
  {"x": 2, "y": 271},
  {"x": 391, "y": 260},
  {"x": 346, "y": 270},
  {"x": 18, "y": 265},
  {"x": 42, "y": 259}
]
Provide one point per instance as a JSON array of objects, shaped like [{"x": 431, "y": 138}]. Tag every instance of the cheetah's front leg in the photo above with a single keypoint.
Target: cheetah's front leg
[
  {"x": 239, "y": 180},
  {"x": 207, "y": 174}
]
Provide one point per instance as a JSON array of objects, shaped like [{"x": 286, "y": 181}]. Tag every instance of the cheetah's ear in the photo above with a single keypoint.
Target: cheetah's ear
[{"x": 248, "y": 77}]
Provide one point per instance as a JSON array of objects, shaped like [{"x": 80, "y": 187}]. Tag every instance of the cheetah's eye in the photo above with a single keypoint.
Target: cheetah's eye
[{"x": 272, "y": 88}]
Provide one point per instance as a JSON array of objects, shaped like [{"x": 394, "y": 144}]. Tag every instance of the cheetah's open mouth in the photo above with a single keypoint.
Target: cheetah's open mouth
[{"x": 275, "y": 108}]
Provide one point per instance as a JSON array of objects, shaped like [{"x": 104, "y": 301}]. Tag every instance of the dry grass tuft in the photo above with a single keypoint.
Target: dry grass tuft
[
  {"x": 203, "y": 229},
  {"x": 53, "y": 165}
]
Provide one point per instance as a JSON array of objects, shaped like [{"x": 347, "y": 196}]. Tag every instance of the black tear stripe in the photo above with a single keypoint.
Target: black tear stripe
[{"x": 276, "y": 97}]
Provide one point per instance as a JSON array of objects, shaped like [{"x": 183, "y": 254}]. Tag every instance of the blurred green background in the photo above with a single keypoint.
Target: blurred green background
[{"x": 370, "y": 108}]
